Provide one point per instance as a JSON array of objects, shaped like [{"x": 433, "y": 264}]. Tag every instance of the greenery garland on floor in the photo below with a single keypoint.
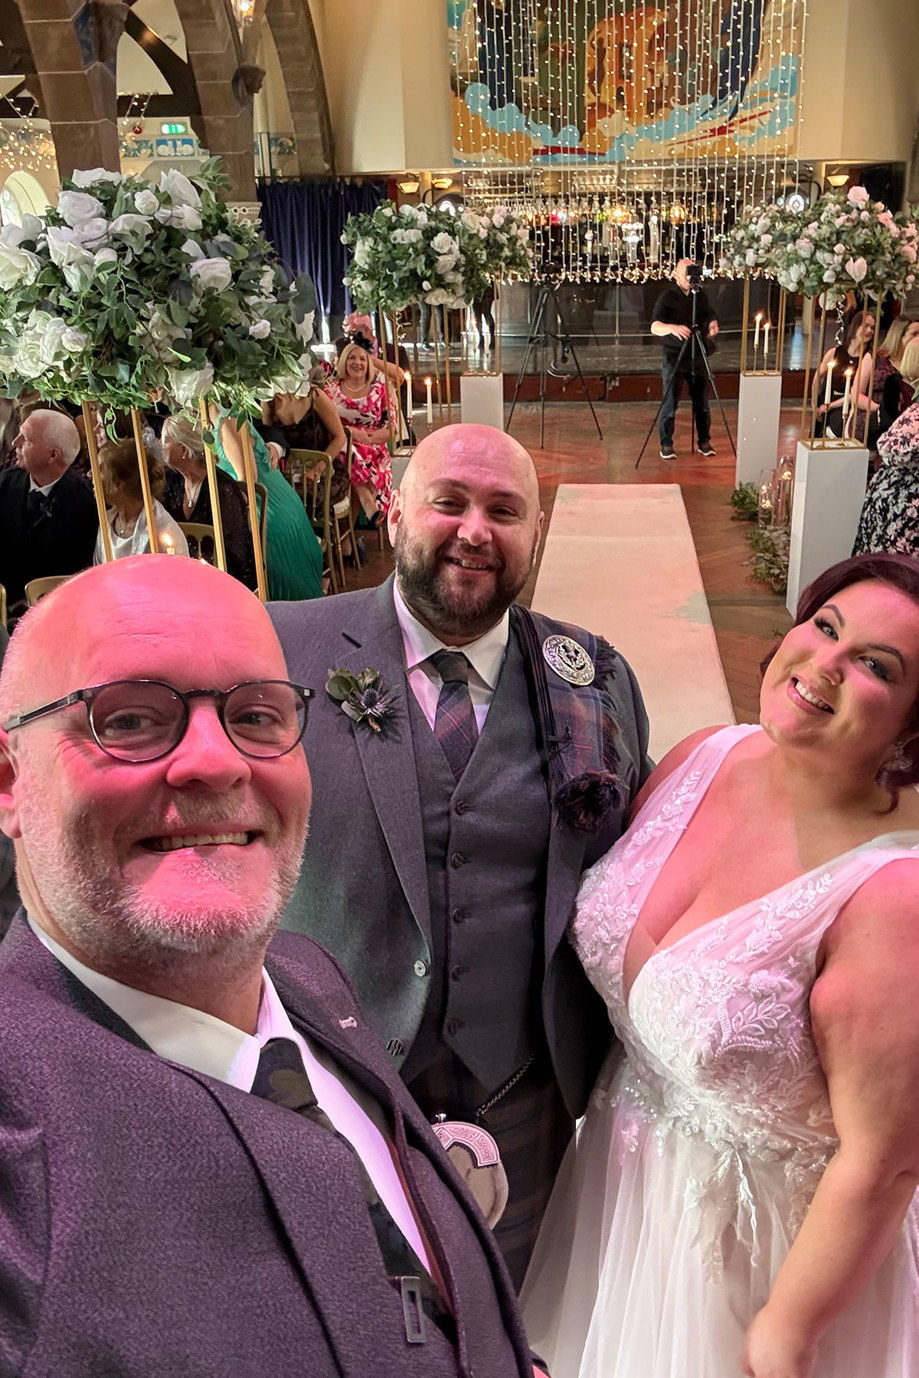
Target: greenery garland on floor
[{"x": 769, "y": 544}]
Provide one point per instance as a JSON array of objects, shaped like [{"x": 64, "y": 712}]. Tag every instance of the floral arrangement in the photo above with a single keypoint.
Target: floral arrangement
[
  {"x": 410, "y": 253},
  {"x": 126, "y": 288},
  {"x": 843, "y": 242},
  {"x": 404, "y": 254},
  {"x": 361, "y": 696},
  {"x": 500, "y": 240}
]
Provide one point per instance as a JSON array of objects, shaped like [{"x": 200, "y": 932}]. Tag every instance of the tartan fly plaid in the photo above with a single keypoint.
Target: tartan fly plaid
[{"x": 454, "y": 720}]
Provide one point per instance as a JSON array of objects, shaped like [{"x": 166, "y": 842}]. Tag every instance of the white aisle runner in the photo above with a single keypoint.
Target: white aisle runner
[{"x": 619, "y": 559}]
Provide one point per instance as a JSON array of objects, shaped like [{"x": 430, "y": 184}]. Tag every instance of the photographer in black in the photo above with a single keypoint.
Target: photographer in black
[{"x": 673, "y": 319}]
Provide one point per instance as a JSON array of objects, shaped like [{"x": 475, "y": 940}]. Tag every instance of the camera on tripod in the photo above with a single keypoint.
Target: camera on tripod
[{"x": 694, "y": 276}]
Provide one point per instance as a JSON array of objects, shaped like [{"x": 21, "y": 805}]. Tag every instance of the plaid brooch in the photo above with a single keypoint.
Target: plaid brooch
[{"x": 575, "y": 723}]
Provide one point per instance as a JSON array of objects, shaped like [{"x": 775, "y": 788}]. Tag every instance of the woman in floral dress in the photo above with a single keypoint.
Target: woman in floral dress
[
  {"x": 890, "y": 513},
  {"x": 358, "y": 390}
]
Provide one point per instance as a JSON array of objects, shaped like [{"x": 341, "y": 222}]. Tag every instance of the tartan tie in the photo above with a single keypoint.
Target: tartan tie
[
  {"x": 282, "y": 1079},
  {"x": 454, "y": 721}
]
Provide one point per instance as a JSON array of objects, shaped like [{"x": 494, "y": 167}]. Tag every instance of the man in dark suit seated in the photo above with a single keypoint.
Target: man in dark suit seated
[
  {"x": 208, "y": 1166},
  {"x": 48, "y": 518}
]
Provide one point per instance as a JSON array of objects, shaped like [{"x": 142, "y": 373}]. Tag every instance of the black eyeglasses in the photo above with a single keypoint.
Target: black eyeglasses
[{"x": 138, "y": 720}]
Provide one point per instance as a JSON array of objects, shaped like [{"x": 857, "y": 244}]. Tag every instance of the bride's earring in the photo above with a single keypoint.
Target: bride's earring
[{"x": 898, "y": 759}]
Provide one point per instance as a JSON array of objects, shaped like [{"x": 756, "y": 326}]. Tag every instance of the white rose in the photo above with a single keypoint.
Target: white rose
[
  {"x": 132, "y": 228},
  {"x": 444, "y": 243},
  {"x": 187, "y": 385},
  {"x": 183, "y": 218},
  {"x": 388, "y": 212},
  {"x": 14, "y": 235},
  {"x": 179, "y": 189},
  {"x": 75, "y": 262},
  {"x": 146, "y": 202},
  {"x": 856, "y": 267},
  {"x": 73, "y": 340},
  {"x": 413, "y": 236},
  {"x": 192, "y": 249},
  {"x": 408, "y": 212},
  {"x": 104, "y": 256},
  {"x": 77, "y": 207},
  {"x": 161, "y": 333},
  {"x": 17, "y": 266},
  {"x": 471, "y": 220},
  {"x": 50, "y": 343},
  {"x": 260, "y": 330},
  {"x": 498, "y": 217},
  {"x": 266, "y": 281},
  {"x": 89, "y": 177},
  {"x": 399, "y": 237},
  {"x": 91, "y": 234},
  {"x": 212, "y": 274},
  {"x": 445, "y": 264},
  {"x": 362, "y": 253},
  {"x": 421, "y": 217}
]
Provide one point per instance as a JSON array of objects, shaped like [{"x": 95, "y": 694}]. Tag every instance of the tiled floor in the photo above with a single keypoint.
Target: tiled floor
[{"x": 747, "y": 618}]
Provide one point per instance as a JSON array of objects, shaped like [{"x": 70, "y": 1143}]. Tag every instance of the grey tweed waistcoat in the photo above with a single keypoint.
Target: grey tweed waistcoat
[{"x": 485, "y": 849}]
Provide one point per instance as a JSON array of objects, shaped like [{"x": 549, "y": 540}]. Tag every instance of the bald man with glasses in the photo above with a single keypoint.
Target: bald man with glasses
[{"x": 207, "y": 1165}]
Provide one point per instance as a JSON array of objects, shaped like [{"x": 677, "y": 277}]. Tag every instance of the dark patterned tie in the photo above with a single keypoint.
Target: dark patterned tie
[
  {"x": 454, "y": 721},
  {"x": 38, "y": 506},
  {"x": 282, "y": 1079}
]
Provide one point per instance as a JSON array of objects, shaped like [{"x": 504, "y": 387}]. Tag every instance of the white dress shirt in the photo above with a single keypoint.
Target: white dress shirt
[
  {"x": 34, "y": 488},
  {"x": 219, "y": 1050},
  {"x": 485, "y": 656}
]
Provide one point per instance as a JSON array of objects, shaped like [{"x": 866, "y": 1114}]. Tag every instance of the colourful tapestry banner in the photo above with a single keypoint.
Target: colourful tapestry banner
[{"x": 614, "y": 81}]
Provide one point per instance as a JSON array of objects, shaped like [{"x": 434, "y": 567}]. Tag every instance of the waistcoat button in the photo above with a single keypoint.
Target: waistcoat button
[
  {"x": 457, "y": 859},
  {"x": 421, "y": 968},
  {"x": 458, "y": 915}
]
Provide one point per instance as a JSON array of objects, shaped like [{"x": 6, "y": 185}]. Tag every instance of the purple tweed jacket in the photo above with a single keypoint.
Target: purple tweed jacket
[{"x": 155, "y": 1223}]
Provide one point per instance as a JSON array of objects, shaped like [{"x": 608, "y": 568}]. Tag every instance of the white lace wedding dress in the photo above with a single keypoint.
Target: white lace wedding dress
[{"x": 701, "y": 1150}]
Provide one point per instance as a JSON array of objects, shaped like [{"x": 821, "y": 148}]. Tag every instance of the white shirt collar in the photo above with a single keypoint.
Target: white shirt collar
[
  {"x": 34, "y": 488},
  {"x": 179, "y": 1033},
  {"x": 485, "y": 654}
]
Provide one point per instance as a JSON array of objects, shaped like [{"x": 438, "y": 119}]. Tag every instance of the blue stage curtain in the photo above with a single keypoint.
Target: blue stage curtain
[{"x": 304, "y": 221}]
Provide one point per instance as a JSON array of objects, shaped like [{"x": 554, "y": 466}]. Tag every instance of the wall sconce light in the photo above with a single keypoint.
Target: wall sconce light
[
  {"x": 409, "y": 185},
  {"x": 837, "y": 179},
  {"x": 442, "y": 183}
]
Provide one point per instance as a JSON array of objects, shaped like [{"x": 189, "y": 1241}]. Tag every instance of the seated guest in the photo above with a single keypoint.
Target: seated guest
[
  {"x": 292, "y": 554},
  {"x": 208, "y": 1165},
  {"x": 124, "y": 497},
  {"x": 187, "y": 497},
  {"x": 309, "y": 422},
  {"x": 909, "y": 371},
  {"x": 857, "y": 339},
  {"x": 890, "y": 513},
  {"x": 885, "y": 389},
  {"x": 359, "y": 394},
  {"x": 48, "y": 520}
]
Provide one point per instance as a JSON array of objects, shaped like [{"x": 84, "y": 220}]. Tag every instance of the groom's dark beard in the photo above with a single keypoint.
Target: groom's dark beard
[{"x": 444, "y": 610}]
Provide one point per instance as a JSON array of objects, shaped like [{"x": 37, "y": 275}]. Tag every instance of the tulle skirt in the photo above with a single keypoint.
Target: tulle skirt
[{"x": 645, "y": 1267}]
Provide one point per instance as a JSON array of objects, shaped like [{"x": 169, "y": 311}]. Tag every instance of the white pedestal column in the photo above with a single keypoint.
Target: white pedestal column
[
  {"x": 829, "y": 491},
  {"x": 482, "y": 399},
  {"x": 758, "y": 406}
]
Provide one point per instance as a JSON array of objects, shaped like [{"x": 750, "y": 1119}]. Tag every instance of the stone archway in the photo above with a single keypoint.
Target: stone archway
[
  {"x": 292, "y": 28},
  {"x": 226, "y": 85},
  {"x": 74, "y": 55}
]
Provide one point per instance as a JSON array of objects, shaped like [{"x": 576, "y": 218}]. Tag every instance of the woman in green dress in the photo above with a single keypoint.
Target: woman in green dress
[{"x": 293, "y": 555}]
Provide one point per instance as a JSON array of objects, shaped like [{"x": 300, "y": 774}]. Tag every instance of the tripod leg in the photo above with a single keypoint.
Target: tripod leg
[
  {"x": 674, "y": 384},
  {"x": 720, "y": 404},
  {"x": 534, "y": 336},
  {"x": 564, "y": 332}
]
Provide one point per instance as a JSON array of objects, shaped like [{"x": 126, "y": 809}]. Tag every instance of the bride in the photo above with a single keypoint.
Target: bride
[{"x": 742, "y": 1195}]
